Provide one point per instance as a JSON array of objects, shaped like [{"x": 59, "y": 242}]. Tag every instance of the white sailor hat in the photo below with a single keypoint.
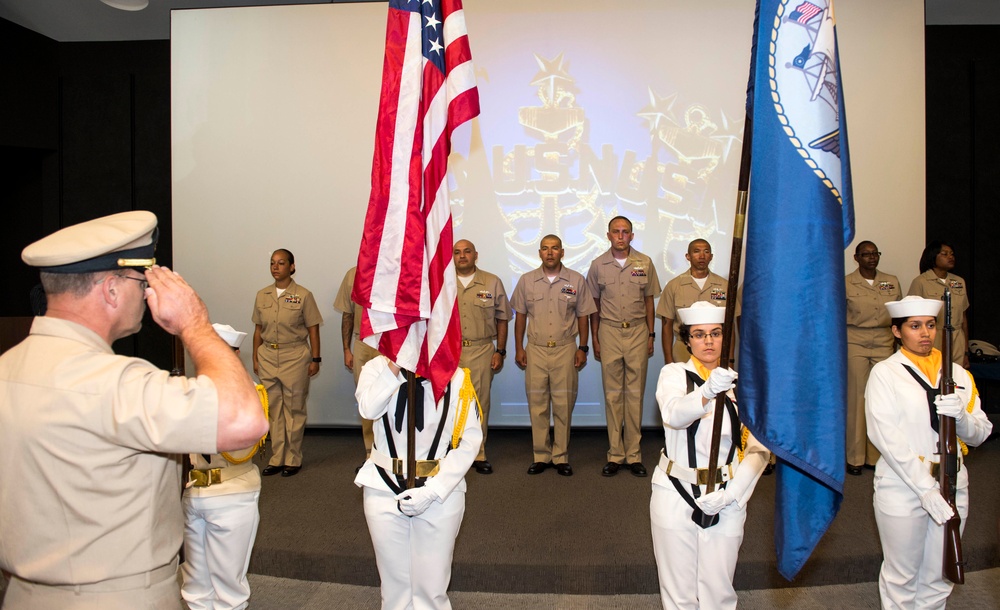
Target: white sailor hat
[
  {"x": 913, "y": 306},
  {"x": 118, "y": 241},
  {"x": 702, "y": 312},
  {"x": 230, "y": 335}
]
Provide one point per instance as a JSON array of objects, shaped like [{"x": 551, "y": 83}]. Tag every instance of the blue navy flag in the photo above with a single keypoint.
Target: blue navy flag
[{"x": 800, "y": 218}]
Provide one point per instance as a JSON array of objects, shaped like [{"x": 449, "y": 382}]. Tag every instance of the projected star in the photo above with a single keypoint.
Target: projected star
[
  {"x": 550, "y": 71},
  {"x": 660, "y": 109},
  {"x": 731, "y": 132}
]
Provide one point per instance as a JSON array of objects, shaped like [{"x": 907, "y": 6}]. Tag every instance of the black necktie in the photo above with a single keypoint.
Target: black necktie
[{"x": 401, "y": 406}]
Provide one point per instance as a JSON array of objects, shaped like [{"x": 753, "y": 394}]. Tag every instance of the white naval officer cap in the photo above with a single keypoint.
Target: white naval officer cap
[
  {"x": 230, "y": 335},
  {"x": 118, "y": 241},
  {"x": 702, "y": 312},
  {"x": 913, "y": 306}
]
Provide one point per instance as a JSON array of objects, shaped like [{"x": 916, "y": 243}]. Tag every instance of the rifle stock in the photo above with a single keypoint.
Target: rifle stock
[{"x": 953, "y": 565}]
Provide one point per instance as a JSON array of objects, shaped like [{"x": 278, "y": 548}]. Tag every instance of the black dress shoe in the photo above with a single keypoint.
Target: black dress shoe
[
  {"x": 637, "y": 469},
  {"x": 854, "y": 470},
  {"x": 870, "y": 466},
  {"x": 271, "y": 470},
  {"x": 564, "y": 469},
  {"x": 538, "y": 467},
  {"x": 291, "y": 471},
  {"x": 610, "y": 469},
  {"x": 483, "y": 466}
]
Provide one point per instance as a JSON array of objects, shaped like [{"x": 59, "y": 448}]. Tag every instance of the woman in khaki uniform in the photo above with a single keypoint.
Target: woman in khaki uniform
[
  {"x": 936, "y": 263},
  {"x": 286, "y": 353}
]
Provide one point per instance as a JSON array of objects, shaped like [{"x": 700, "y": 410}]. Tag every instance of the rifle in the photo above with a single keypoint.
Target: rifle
[{"x": 953, "y": 565}]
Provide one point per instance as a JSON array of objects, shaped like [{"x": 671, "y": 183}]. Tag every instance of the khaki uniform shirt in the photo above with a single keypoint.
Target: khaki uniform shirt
[
  {"x": 89, "y": 492},
  {"x": 866, "y": 308},
  {"x": 285, "y": 319},
  {"x": 929, "y": 286},
  {"x": 682, "y": 291},
  {"x": 481, "y": 304},
  {"x": 552, "y": 308},
  {"x": 623, "y": 290}
]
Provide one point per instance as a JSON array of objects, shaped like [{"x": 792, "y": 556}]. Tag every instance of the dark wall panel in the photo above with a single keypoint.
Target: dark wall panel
[{"x": 963, "y": 160}]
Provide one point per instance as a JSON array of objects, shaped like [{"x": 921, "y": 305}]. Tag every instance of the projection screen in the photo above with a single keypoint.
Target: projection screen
[{"x": 273, "y": 118}]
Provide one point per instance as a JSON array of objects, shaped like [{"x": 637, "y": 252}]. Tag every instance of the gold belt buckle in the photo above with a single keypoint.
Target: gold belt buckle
[
  {"x": 550, "y": 344},
  {"x": 425, "y": 468},
  {"x": 205, "y": 478},
  {"x": 273, "y": 345},
  {"x": 703, "y": 476},
  {"x": 466, "y": 343},
  {"x": 626, "y": 324}
]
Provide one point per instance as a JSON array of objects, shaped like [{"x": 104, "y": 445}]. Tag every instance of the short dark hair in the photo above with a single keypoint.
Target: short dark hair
[
  {"x": 620, "y": 218},
  {"x": 857, "y": 248},
  {"x": 929, "y": 255},
  {"x": 551, "y": 236},
  {"x": 685, "y": 335},
  {"x": 288, "y": 253}
]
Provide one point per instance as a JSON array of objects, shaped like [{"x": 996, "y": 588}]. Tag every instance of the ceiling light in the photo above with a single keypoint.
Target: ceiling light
[{"x": 127, "y": 5}]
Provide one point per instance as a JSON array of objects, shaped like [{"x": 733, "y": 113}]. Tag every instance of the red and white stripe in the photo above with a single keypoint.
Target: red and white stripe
[{"x": 405, "y": 278}]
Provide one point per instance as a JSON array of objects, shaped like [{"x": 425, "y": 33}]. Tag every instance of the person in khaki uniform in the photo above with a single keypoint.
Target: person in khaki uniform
[
  {"x": 357, "y": 353},
  {"x": 485, "y": 312},
  {"x": 90, "y": 509},
  {"x": 936, "y": 263},
  {"x": 286, "y": 353},
  {"x": 696, "y": 284},
  {"x": 623, "y": 283},
  {"x": 869, "y": 341},
  {"x": 553, "y": 304}
]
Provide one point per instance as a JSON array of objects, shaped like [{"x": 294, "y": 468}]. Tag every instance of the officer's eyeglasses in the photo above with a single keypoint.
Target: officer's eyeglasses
[
  {"x": 700, "y": 336},
  {"x": 143, "y": 284},
  {"x": 870, "y": 254}
]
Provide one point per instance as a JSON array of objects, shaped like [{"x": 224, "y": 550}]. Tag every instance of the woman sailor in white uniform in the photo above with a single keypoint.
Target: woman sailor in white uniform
[
  {"x": 902, "y": 408},
  {"x": 696, "y": 565}
]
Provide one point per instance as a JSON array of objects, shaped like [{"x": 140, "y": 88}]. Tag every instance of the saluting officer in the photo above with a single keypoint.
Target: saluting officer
[
  {"x": 623, "y": 283},
  {"x": 553, "y": 304},
  {"x": 90, "y": 514},
  {"x": 485, "y": 312}
]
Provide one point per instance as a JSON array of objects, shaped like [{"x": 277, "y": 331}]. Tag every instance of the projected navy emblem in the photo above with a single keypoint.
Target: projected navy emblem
[
  {"x": 676, "y": 180},
  {"x": 803, "y": 79}
]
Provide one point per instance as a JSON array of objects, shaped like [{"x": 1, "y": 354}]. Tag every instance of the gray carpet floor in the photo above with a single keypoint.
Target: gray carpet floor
[
  {"x": 980, "y": 591},
  {"x": 580, "y": 535}
]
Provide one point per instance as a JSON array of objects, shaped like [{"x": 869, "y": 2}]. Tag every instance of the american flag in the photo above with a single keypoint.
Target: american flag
[
  {"x": 804, "y": 12},
  {"x": 406, "y": 276}
]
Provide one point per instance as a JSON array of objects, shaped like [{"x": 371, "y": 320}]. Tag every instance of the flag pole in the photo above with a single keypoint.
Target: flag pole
[
  {"x": 735, "y": 260},
  {"x": 411, "y": 429}
]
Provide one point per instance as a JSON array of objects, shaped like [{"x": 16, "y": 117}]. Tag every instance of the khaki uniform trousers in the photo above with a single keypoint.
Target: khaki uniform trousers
[
  {"x": 477, "y": 358},
  {"x": 551, "y": 383},
  {"x": 363, "y": 353},
  {"x": 157, "y": 590},
  {"x": 860, "y": 360},
  {"x": 284, "y": 373},
  {"x": 624, "y": 362}
]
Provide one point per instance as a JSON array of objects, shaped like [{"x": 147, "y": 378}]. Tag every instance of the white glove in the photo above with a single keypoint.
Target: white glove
[
  {"x": 413, "y": 502},
  {"x": 936, "y": 506},
  {"x": 712, "y": 503},
  {"x": 718, "y": 382},
  {"x": 950, "y": 406}
]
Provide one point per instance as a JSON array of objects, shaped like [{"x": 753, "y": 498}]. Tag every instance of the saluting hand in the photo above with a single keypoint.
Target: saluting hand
[{"x": 173, "y": 304}]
